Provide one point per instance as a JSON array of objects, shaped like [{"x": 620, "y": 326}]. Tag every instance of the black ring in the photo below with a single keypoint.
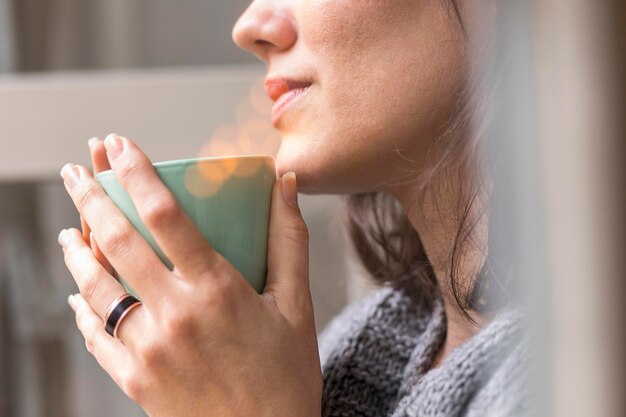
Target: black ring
[{"x": 118, "y": 312}]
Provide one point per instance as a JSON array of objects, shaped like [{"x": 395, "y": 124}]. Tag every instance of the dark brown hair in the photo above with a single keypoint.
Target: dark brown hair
[{"x": 387, "y": 244}]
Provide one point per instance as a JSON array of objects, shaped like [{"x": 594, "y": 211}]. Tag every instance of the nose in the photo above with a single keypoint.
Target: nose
[{"x": 265, "y": 28}]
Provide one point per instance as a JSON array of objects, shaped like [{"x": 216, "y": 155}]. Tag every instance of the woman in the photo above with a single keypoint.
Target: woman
[{"x": 372, "y": 100}]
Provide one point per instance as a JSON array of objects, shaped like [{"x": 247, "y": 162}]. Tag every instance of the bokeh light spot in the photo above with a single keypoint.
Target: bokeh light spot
[
  {"x": 205, "y": 181},
  {"x": 248, "y": 167}
]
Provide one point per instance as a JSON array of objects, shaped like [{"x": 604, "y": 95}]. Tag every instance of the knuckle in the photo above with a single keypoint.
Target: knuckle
[
  {"x": 178, "y": 326},
  {"x": 85, "y": 197},
  {"x": 296, "y": 231},
  {"x": 116, "y": 238},
  {"x": 91, "y": 286},
  {"x": 133, "y": 385},
  {"x": 151, "y": 354},
  {"x": 220, "y": 298},
  {"x": 161, "y": 210},
  {"x": 300, "y": 229},
  {"x": 128, "y": 169},
  {"x": 89, "y": 346},
  {"x": 73, "y": 254},
  {"x": 218, "y": 292}
]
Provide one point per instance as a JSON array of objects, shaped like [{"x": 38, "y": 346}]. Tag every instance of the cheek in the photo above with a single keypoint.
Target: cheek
[
  {"x": 377, "y": 57},
  {"x": 344, "y": 28},
  {"x": 384, "y": 69}
]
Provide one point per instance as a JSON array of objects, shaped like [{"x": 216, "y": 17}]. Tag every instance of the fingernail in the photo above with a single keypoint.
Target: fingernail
[
  {"x": 92, "y": 142},
  {"x": 63, "y": 238},
  {"x": 70, "y": 174},
  {"x": 290, "y": 188},
  {"x": 71, "y": 300},
  {"x": 114, "y": 145}
]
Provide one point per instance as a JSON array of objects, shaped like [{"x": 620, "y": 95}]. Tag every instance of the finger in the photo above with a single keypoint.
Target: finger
[
  {"x": 288, "y": 253},
  {"x": 99, "y": 163},
  {"x": 95, "y": 284},
  {"x": 175, "y": 233},
  {"x": 127, "y": 251},
  {"x": 99, "y": 159},
  {"x": 110, "y": 353},
  {"x": 100, "y": 256}
]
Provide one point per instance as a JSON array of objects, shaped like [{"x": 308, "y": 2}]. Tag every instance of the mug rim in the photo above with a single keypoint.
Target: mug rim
[{"x": 187, "y": 161}]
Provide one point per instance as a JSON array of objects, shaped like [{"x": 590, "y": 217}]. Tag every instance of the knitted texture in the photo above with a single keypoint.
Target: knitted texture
[{"x": 376, "y": 358}]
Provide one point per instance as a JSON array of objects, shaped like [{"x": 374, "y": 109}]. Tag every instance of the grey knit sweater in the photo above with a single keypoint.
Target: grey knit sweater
[{"x": 377, "y": 354}]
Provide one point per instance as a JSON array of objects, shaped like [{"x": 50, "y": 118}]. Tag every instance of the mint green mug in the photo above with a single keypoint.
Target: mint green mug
[{"x": 227, "y": 198}]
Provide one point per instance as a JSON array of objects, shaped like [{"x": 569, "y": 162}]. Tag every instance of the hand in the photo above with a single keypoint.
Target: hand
[{"x": 203, "y": 343}]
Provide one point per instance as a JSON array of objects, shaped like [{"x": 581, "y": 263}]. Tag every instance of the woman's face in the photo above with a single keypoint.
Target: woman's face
[{"x": 362, "y": 87}]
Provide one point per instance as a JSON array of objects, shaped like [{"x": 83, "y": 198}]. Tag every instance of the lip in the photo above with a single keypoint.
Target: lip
[{"x": 283, "y": 92}]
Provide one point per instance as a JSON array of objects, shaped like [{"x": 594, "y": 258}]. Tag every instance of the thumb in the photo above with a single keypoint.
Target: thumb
[{"x": 288, "y": 253}]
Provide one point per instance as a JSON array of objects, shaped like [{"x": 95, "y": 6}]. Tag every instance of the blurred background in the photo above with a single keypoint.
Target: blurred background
[{"x": 168, "y": 75}]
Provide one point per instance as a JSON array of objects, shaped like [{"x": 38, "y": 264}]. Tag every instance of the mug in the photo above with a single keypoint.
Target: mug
[{"x": 227, "y": 198}]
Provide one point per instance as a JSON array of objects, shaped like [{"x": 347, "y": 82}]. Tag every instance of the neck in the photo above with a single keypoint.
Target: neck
[{"x": 436, "y": 216}]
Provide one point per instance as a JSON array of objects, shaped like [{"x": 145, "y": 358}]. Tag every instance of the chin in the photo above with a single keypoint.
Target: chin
[
  {"x": 311, "y": 170},
  {"x": 319, "y": 168}
]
